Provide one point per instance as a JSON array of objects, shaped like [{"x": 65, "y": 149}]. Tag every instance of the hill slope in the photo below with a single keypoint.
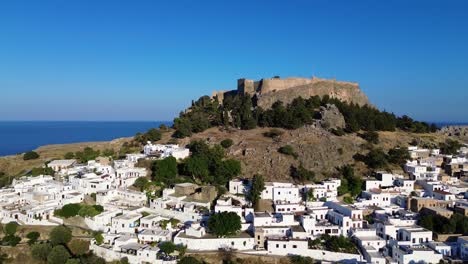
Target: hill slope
[{"x": 318, "y": 150}]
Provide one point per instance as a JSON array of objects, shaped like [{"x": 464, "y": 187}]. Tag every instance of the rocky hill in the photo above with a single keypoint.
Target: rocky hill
[
  {"x": 268, "y": 91},
  {"x": 317, "y": 149},
  {"x": 460, "y": 132}
]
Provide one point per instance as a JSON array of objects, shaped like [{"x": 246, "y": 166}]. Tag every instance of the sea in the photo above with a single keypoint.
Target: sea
[{"x": 21, "y": 136}]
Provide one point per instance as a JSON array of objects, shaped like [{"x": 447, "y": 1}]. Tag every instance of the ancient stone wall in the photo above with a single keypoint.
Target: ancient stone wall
[
  {"x": 345, "y": 91},
  {"x": 271, "y": 90}
]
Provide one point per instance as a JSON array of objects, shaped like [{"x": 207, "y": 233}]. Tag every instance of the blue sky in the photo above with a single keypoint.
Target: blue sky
[{"x": 146, "y": 60}]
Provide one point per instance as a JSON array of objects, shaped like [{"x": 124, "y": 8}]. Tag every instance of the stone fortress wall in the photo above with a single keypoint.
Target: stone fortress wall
[{"x": 271, "y": 90}]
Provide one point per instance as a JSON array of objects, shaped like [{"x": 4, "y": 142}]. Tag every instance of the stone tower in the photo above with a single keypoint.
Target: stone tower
[{"x": 245, "y": 86}]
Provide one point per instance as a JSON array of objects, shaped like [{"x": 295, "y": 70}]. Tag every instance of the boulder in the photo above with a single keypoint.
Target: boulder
[{"x": 331, "y": 117}]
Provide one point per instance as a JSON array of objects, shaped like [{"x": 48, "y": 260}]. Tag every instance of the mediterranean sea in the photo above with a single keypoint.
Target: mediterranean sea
[{"x": 21, "y": 136}]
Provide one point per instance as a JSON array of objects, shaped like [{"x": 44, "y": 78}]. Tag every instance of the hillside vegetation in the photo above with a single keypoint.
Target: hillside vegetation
[{"x": 241, "y": 111}]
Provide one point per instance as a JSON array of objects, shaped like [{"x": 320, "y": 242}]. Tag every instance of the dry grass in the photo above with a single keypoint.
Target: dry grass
[{"x": 15, "y": 165}]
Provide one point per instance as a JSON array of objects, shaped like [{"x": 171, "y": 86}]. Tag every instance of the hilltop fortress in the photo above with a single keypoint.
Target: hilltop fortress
[{"x": 268, "y": 91}]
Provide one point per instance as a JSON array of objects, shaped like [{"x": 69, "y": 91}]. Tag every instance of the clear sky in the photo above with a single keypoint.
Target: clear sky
[{"x": 146, "y": 60}]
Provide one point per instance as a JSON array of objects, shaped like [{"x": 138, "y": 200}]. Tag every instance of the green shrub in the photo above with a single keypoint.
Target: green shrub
[
  {"x": 40, "y": 252},
  {"x": 273, "y": 133},
  {"x": 69, "y": 155},
  {"x": 348, "y": 200},
  {"x": 60, "y": 235},
  {"x": 227, "y": 143},
  {"x": 42, "y": 171},
  {"x": 337, "y": 132},
  {"x": 224, "y": 224},
  {"x": 30, "y": 155},
  {"x": 140, "y": 183},
  {"x": 10, "y": 228},
  {"x": 288, "y": 150},
  {"x": 371, "y": 137},
  {"x": 33, "y": 237},
  {"x": 98, "y": 237},
  {"x": 58, "y": 255},
  {"x": 301, "y": 174},
  {"x": 11, "y": 240},
  {"x": 68, "y": 210}
]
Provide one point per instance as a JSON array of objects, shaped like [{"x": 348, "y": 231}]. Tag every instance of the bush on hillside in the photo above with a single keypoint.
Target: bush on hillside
[
  {"x": 288, "y": 150},
  {"x": 30, "y": 155}
]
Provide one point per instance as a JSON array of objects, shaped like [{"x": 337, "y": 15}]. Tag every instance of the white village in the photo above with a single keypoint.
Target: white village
[{"x": 380, "y": 226}]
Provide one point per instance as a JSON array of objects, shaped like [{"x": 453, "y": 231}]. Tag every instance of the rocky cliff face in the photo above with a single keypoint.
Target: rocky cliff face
[
  {"x": 331, "y": 117},
  {"x": 345, "y": 91},
  {"x": 460, "y": 132},
  {"x": 268, "y": 91}
]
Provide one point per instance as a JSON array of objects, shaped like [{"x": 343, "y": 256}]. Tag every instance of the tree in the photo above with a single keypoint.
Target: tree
[
  {"x": 165, "y": 170},
  {"x": 58, "y": 255},
  {"x": 68, "y": 210},
  {"x": 10, "y": 231},
  {"x": 90, "y": 210},
  {"x": 152, "y": 134},
  {"x": 78, "y": 247},
  {"x": 30, "y": 155},
  {"x": 224, "y": 224},
  {"x": 302, "y": 174},
  {"x": 140, "y": 183},
  {"x": 69, "y": 155},
  {"x": 40, "y": 252},
  {"x": 33, "y": 237},
  {"x": 11, "y": 240},
  {"x": 398, "y": 156},
  {"x": 349, "y": 182},
  {"x": 167, "y": 247},
  {"x": 87, "y": 154},
  {"x": 376, "y": 159},
  {"x": 226, "y": 170},
  {"x": 227, "y": 143},
  {"x": 258, "y": 185},
  {"x": 60, "y": 235},
  {"x": 450, "y": 147},
  {"x": 10, "y": 228},
  {"x": 108, "y": 153},
  {"x": 183, "y": 128},
  {"x": 98, "y": 237},
  {"x": 197, "y": 168}
]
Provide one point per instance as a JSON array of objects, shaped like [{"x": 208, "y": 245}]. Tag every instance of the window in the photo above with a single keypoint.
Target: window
[
  {"x": 277, "y": 245},
  {"x": 284, "y": 246},
  {"x": 294, "y": 246}
]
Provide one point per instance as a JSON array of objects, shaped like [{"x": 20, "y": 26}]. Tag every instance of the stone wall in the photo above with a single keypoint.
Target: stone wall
[
  {"x": 345, "y": 91},
  {"x": 271, "y": 90}
]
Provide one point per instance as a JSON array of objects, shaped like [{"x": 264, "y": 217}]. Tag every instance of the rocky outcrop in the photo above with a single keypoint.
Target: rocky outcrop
[
  {"x": 460, "y": 132},
  {"x": 268, "y": 91},
  {"x": 331, "y": 117}
]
